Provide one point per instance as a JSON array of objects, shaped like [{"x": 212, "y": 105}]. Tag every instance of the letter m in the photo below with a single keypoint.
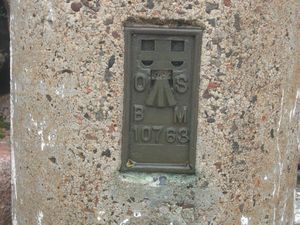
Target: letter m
[{"x": 180, "y": 114}]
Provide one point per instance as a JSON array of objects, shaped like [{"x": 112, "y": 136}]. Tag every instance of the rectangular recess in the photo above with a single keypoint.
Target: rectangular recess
[
  {"x": 148, "y": 45},
  {"x": 177, "y": 46},
  {"x": 160, "y": 99}
]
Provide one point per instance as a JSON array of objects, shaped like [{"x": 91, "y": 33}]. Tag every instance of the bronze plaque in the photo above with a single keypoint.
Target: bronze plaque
[{"x": 161, "y": 99}]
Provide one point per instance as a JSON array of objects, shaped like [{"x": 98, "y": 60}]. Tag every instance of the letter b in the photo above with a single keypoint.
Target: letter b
[{"x": 138, "y": 112}]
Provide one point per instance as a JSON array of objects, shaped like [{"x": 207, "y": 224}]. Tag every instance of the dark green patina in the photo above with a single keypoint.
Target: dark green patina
[{"x": 161, "y": 99}]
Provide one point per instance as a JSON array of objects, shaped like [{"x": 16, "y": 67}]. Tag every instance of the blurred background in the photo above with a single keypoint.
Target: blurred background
[{"x": 5, "y": 189}]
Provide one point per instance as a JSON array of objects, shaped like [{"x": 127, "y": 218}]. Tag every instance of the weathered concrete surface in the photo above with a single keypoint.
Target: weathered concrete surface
[
  {"x": 297, "y": 205},
  {"x": 67, "y": 115}
]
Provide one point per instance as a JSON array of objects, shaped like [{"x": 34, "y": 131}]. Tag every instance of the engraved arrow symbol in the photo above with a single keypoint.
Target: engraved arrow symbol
[{"x": 161, "y": 94}]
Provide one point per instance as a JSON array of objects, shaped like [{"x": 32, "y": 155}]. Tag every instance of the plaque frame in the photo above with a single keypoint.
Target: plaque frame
[{"x": 126, "y": 163}]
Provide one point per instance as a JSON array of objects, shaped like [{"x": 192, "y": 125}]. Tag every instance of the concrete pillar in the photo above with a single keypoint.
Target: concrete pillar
[{"x": 67, "y": 108}]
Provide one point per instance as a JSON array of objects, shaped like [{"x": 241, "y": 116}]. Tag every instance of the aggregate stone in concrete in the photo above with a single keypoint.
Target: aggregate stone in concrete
[{"x": 67, "y": 95}]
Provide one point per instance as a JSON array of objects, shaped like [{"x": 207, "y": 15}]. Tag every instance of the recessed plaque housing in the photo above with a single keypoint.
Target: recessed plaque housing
[{"x": 160, "y": 99}]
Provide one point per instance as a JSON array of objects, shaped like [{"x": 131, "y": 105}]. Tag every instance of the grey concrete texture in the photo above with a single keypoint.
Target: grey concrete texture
[{"x": 67, "y": 108}]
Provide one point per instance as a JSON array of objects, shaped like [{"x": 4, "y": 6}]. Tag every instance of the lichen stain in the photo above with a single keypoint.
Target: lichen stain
[
  {"x": 124, "y": 222},
  {"x": 244, "y": 220},
  {"x": 14, "y": 222},
  {"x": 100, "y": 214},
  {"x": 137, "y": 214},
  {"x": 40, "y": 217}
]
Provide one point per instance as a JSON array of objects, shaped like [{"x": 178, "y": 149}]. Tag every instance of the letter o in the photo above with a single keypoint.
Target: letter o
[{"x": 140, "y": 82}]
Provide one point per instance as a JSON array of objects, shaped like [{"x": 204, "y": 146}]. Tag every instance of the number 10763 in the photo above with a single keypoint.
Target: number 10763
[{"x": 160, "y": 134}]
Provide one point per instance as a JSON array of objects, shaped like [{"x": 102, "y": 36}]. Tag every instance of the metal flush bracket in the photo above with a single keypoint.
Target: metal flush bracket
[{"x": 161, "y": 99}]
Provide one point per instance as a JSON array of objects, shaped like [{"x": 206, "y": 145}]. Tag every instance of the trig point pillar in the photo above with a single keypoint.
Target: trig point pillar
[{"x": 154, "y": 112}]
